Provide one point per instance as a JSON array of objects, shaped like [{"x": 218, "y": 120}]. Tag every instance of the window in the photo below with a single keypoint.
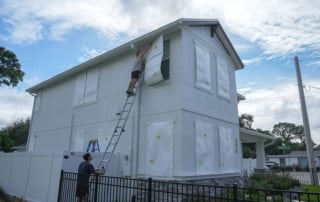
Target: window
[
  {"x": 203, "y": 66},
  {"x": 223, "y": 78},
  {"x": 86, "y": 87},
  {"x": 157, "y": 62},
  {"x": 165, "y": 60}
]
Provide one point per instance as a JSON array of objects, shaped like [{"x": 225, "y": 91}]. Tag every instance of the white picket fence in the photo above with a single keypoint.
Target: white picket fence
[
  {"x": 249, "y": 165},
  {"x": 31, "y": 176}
]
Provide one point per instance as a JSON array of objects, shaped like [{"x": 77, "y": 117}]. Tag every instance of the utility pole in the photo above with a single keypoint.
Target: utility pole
[{"x": 314, "y": 175}]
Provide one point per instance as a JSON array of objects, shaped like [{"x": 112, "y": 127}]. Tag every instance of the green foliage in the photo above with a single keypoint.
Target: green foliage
[
  {"x": 18, "y": 130},
  {"x": 245, "y": 121},
  {"x": 312, "y": 189},
  {"x": 249, "y": 150},
  {"x": 14, "y": 134},
  {"x": 6, "y": 143},
  {"x": 10, "y": 72},
  {"x": 288, "y": 131},
  {"x": 260, "y": 180}
]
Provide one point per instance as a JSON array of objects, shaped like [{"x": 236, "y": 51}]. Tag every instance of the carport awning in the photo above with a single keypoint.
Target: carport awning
[{"x": 250, "y": 136}]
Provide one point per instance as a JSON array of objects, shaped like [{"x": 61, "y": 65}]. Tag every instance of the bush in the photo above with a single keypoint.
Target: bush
[{"x": 260, "y": 180}]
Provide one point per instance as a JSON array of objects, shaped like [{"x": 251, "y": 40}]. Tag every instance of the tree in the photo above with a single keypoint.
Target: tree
[
  {"x": 245, "y": 121},
  {"x": 6, "y": 143},
  {"x": 288, "y": 132},
  {"x": 18, "y": 131},
  {"x": 10, "y": 72}
]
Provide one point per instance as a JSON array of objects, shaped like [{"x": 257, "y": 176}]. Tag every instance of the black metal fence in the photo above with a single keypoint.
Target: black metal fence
[{"x": 114, "y": 189}]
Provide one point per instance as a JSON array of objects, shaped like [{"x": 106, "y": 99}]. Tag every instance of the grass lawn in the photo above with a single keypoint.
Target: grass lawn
[{"x": 311, "y": 189}]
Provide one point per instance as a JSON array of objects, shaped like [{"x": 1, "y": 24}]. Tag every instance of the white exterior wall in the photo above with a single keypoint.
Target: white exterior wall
[{"x": 206, "y": 106}]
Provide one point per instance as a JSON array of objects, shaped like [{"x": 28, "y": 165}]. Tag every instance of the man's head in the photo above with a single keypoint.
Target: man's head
[{"x": 87, "y": 157}]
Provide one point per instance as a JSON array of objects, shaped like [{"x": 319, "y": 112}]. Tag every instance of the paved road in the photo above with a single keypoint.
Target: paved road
[{"x": 303, "y": 177}]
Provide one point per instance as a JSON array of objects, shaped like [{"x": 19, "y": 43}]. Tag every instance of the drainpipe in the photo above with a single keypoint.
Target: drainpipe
[
  {"x": 136, "y": 131},
  {"x": 31, "y": 120}
]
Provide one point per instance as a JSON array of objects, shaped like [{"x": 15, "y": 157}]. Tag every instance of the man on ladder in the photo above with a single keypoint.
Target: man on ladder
[{"x": 138, "y": 67}]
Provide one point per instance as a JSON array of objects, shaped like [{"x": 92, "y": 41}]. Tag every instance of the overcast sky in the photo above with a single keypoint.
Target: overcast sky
[{"x": 49, "y": 37}]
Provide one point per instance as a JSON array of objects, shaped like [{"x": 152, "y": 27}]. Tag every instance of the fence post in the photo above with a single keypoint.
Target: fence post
[
  {"x": 149, "y": 189},
  {"x": 60, "y": 185},
  {"x": 96, "y": 188},
  {"x": 235, "y": 192}
]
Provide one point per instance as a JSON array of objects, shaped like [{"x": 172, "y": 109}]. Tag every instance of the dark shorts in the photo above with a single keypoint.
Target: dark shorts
[
  {"x": 135, "y": 74},
  {"x": 82, "y": 191}
]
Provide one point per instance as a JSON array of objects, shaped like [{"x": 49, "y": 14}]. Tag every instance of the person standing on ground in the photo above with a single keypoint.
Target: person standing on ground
[
  {"x": 84, "y": 171},
  {"x": 138, "y": 67}
]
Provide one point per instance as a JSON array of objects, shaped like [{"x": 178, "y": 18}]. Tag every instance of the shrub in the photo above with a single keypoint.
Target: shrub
[{"x": 260, "y": 180}]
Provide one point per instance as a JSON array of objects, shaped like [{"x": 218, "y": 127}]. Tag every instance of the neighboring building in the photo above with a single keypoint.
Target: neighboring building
[
  {"x": 295, "y": 158},
  {"x": 184, "y": 123}
]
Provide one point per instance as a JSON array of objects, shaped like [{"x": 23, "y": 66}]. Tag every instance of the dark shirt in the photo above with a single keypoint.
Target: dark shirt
[{"x": 84, "y": 171}]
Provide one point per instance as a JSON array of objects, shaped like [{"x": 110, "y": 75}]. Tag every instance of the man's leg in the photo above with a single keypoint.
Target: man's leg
[{"x": 132, "y": 84}]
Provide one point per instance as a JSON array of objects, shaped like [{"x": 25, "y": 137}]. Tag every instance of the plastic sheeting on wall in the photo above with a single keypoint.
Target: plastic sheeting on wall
[
  {"x": 226, "y": 149},
  {"x": 203, "y": 66},
  {"x": 205, "y": 160},
  {"x": 159, "y": 154},
  {"x": 223, "y": 78},
  {"x": 79, "y": 89},
  {"x": 86, "y": 87},
  {"x": 153, "y": 73},
  {"x": 90, "y": 93}
]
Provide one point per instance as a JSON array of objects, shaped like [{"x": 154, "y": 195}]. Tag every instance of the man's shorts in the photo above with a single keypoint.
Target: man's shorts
[
  {"x": 135, "y": 74},
  {"x": 82, "y": 190}
]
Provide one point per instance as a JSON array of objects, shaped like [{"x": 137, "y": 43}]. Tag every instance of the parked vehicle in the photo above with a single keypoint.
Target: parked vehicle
[{"x": 272, "y": 165}]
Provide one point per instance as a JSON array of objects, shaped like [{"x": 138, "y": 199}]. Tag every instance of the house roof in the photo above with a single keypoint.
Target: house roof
[
  {"x": 166, "y": 29},
  {"x": 248, "y": 136}
]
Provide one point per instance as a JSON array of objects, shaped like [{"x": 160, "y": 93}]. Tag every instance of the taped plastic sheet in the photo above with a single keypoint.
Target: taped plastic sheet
[
  {"x": 79, "y": 143},
  {"x": 223, "y": 78},
  {"x": 204, "y": 148},
  {"x": 90, "y": 93},
  {"x": 203, "y": 63},
  {"x": 226, "y": 149},
  {"x": 79, "y": 89},
  {"x": 153, "y": 73},
  {"x": 159, "y": 161}
]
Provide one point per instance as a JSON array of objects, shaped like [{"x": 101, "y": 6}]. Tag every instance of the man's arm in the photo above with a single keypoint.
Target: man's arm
[{"x": 146, "y": 49}]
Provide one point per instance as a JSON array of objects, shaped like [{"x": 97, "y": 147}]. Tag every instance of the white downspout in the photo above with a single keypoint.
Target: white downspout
[
  {"x": 31, "y": 120},
  {"x": 136, "y": 132}
]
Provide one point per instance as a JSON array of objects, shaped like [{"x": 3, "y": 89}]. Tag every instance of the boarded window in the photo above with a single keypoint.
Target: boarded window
[
  {"x": 159, "y": 159},
  {"x": 223, "y": 78},
  {"x": 203, "y": 66},
  {"x": 86, "y": 87},
  {"x": 205, "y": 159},
  {"x": 157, "y": 62},
  {"x": 226, "y": 149}
]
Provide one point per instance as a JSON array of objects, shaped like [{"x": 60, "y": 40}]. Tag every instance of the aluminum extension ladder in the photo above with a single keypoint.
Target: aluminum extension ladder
[{"x": 118, "y": 130}]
